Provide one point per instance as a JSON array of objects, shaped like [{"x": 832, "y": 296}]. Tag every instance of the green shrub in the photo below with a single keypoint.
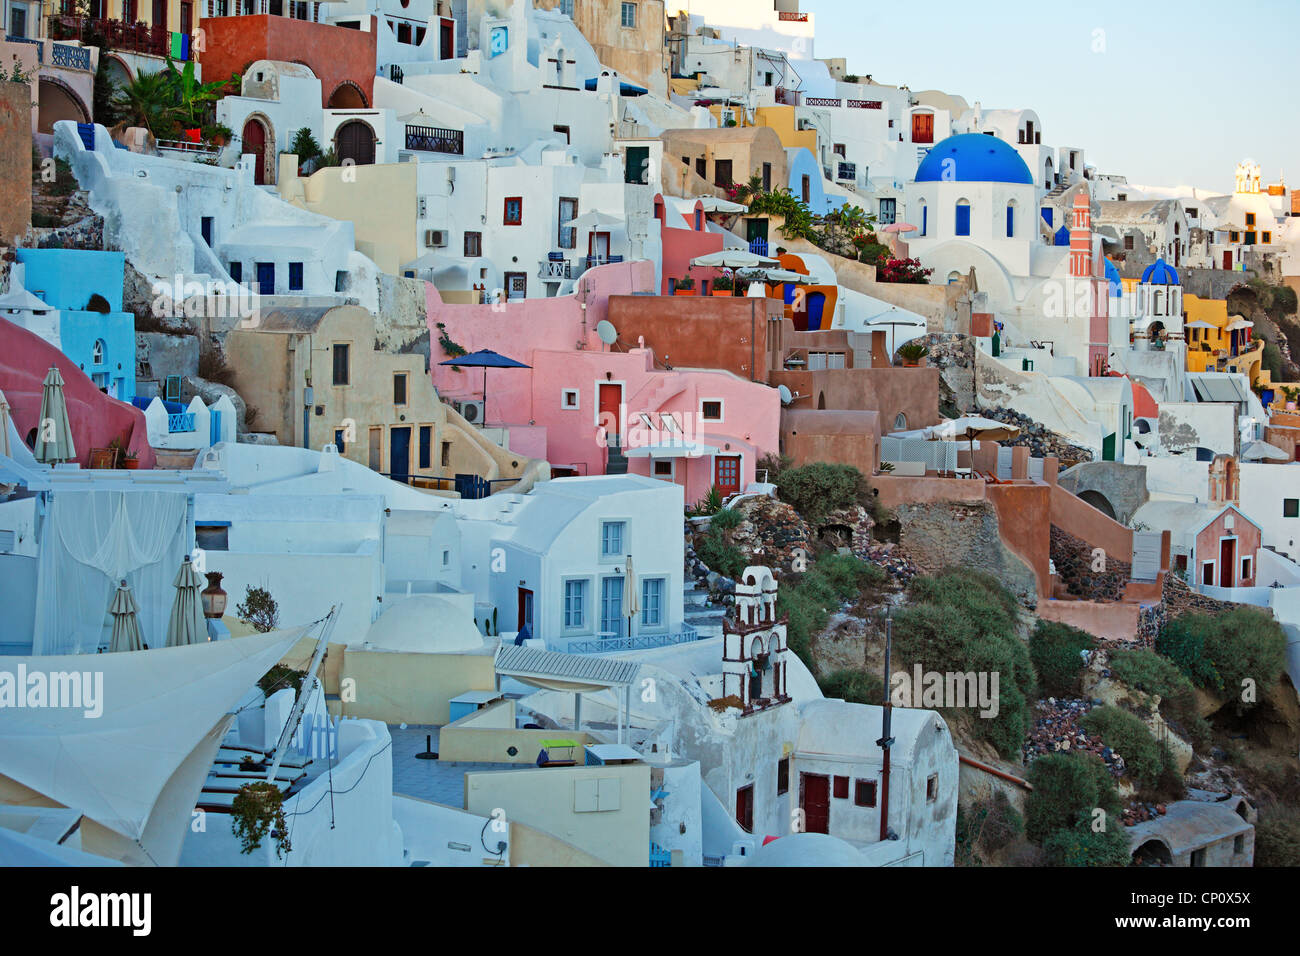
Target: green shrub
[
  {"x": 1056, "y": 650},
  {"x": 715, "y": 551},
  {"x": 818, "y": 489},
  {"x": 1081, "y": 845},
  {"x": 1068, "y": 788},
  {"x": 1145, "y": 670},
  {"x": 710, "y": 504},
  {"x": 1145, "y": 760},
  {"x": 810, "y": 598},
  {"x": 854, "y": 686},
  {"x": 726, "y": 519},
  {"x": 1220, "y": 652},
  {"x": 1182, "y": 640},
  {"x": 986, "y": 826},
  {"x": 1277, "y": 836}
]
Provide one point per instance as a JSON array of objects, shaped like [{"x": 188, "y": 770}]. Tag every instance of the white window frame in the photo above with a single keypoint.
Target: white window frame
[
  {"x": 662, "y": 624},
  {"x": 722, "y": 410},
  {"x": 565, "y": 394},
  {"x": 672, "y": 469},
  {"x": 585, "y": 626},
  {"x": 1213, "y": 567},
  {"x": 614, "y": 557},
  {"x": 623, "y": 15}
]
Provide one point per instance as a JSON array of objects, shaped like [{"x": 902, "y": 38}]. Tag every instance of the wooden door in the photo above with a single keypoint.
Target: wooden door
[
  {"x": 610, "y": 400},
  {"x": 356, "y": 142},
  {"x": 1227, "y": 259},
  {"x": 815, "y": 799},
  {"x": 266, "y": 278},
  {"x": 375, "y": 458},
  {"x": 255, "y": 143},
  {"x": 1227, "y": 562},
  {"x": 399, "y": 453},
  {"x": 923, "y": 127},
  {"x": 524, "y": 617},
  {"x": 726, "y": 474},
  {"x": 446, "y": 43},
  {"x": 745, "y": 807}
]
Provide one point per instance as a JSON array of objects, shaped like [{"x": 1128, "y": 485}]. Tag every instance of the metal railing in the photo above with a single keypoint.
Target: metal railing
[
  {"x": 180, "y": 422},
  {"x": 70, "y": 57},
  {"x": 435, "y": 139},
  {"x": 638, "y": 642},
  {"x": 135, "y": 37},
  {"x": 555, "y": 269}
]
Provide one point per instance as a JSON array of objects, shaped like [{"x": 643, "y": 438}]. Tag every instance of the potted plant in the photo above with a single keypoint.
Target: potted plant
[
  {"x": 258, "y": 809},
  {"x": 214, "y": 596},
  {"x": 130, "y": 461},
  {"x": 684, "y": 286},
  {"x": 912, "y": 354},
  {"x": 724, "y": 284}
]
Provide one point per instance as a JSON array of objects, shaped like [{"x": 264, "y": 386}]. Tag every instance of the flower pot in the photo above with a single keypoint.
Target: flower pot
[
  {"x": 722, "y": 292},
  {"x": 683, "y": 292},
  {"x": 214, "y": 597},
  {"x": 131, "y": 464}
]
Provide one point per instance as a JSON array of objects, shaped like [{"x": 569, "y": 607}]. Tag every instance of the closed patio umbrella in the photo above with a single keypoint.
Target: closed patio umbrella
[
  {"x": 53, "y": 432},
  {"x": 631, "y": 606},
  {"x": 126, "y": 625},
  {"x": 4, "y": 427},
  {"x": 484, "y": 359},
  {"x": 186, "y": 624}
]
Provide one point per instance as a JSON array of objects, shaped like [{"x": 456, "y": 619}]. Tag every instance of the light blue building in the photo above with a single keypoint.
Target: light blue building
[
  {"x": 85, "y": 286},
  {"x": 807, "y": 183}
]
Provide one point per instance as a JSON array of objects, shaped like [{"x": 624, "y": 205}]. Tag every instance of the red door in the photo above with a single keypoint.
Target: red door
[
  {"x": 923, "y": 127},
  {"x": 255, "y": 143},
  {"x": 611, "y": 397},
  {"x": 745, "y": 807},
  {"x": 1227, "y": 260},
  {"x": 525, "y": 609},
  {"x": 726, "y": 474},
  {"x": 815, "y": 799},
  {"x": 1227, "y": 561},
  {"x": 446, "y": 47}
]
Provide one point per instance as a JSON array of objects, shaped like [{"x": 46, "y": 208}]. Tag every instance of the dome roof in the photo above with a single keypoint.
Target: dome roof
[
  {"x": 975, "y": 158},
  {"x": 807, "y": 849},
  {"x": 425, "y": 623},
  {"x": 1113, "y": 277},
  {"x": 1160, "y": 273}
]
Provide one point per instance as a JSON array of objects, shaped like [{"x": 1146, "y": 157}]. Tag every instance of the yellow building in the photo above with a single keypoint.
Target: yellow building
[
  {"x": 782, "y": 119},
  {"x": 1225, "y": 346}
]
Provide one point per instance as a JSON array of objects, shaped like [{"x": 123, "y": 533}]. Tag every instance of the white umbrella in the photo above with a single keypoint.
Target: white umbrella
[
  {"x": 1238, "y": 324},
  {"x": 631, "y": 606},
  {"x": 53, "y": 432},
  {"x": 126, "y": 625},
  {"x": 4, "y": 427},
  {"x": 186, "y": 624},
  {"x": 715, "y": 204},
  {"x": 596, "y": 220},
  {"x": 734, "y": 259},
  {"x": 1199, "y": 324},
  {"x": 1263, "y": 451},
  {"x": 972, "y": 427},
  {"x": 776, "y": 275}
]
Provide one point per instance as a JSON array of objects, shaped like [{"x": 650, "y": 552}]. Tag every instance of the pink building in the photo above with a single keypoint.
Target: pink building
[
  {"x": 685, "y": 236},
  {"x": 592, "y": 409},
  {"x": 1224, "y": 551}
]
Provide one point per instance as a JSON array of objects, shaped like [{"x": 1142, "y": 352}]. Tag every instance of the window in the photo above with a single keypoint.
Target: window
[
  {"x": 722, "y": 172},
  {"x": 838, "y": 149},
  {"x": 237, "y": 271},
  {"x": 212, "y": 537},
  {"x": 841, "y": 788},
  {"x": 566, "y": 7},
  {"x": 783, "y": 776},
  {"x": 1234, "y": 236},
  {"x": 568, "y": 212},
  {"x": 611, "y": 605},
  {"x": 1250, "y": 237},
  {"x": 1011, "y": 220},
  {"x": 767, "y": 177},
  {"x": 1239, "y": 844},
  {"x": 1245, "y": 568},
  {"x": 629, "y": 15},
  {"x": 1250, "y": 219},
  {"x": 1122, "y": 197},
  {"x": 473, "y": 245},
  {"x": 662, "y": 468},
  {"x": 403, "y": 33},
  {"x": 445, "y": 456},
  {"x": 864, "y": 793},
  {"x": 1267, "y": 237},
  {"x": 900, "y": 422},
  {"x": 652, "y": 602},
  {"x": 339, "y": 443},
  {"x": 426, "y": 446},
  {"x": 563, "y": 130},
  {"x": 514, "y": 211},
  {"x": 924, "y": 216},
  {"x": 932, "y": 788},
  {"x": 1291, "y": 507},
  {"x": 97, "y": 352},
  {"x": 711, "y": 410},
  {"x": 963, "y": 218},
  {"x": 1198, "y": 857},
  {"x": 575, "y": 603},
  {"x": 611, "y": 538},
  {"x": 295, "y": 276},
  {"x": 1207, "y": 572},
  {"x": 399, "y": 388},
  {"x": 1191, "y": 212},
  {"x": 342, "y": 369},
  {"x": 446, "y": 558},
  {"x": 1128, "y": 243},
  {"x": 569, "y": 398},
  {"x": 805, "y": 188}
]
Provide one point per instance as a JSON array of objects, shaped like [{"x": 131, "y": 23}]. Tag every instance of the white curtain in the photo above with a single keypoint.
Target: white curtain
[{"x": 94, "y": 539}]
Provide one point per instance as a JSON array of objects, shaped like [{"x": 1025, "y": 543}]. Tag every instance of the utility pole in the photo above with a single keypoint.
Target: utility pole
[{"x": 886, "y": 741}]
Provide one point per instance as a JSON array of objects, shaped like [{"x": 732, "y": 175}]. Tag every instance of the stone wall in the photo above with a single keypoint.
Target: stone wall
[
  {"x": 1211, "y": 283},
  {"x": 954, "y": 355},
  {"x": 1123, "y": 486},
  {"x": 1074, "y": 563},
  {"x": 15, "y": 161}
]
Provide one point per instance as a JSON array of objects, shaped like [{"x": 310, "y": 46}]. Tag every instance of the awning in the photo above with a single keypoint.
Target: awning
[
  {"x": 574, "y": 673},
  {"x": 671, "y": 450}
]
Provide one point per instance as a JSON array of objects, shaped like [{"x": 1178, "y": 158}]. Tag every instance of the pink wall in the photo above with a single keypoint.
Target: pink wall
[
  {"x": 25, "y": 359},
  {"x": 1209, "y": 548},
  {"x": 681, "y": 244}
]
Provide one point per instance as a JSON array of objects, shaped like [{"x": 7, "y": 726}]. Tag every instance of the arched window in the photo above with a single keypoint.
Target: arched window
[
  {"x": 924, "y": 210},
  {"x": 1156, "y": 301},
  {"x": 97, "y": 352},
  {"x": 963, "y": 218},
  {"x": 1011, "y": 219},
  {"x": 900, "y": 422}
]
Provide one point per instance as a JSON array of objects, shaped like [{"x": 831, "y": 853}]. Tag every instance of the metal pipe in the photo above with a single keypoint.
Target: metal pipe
[
  {"x": 886, "y": 741},
  {"x": 1018, "y": 781}
]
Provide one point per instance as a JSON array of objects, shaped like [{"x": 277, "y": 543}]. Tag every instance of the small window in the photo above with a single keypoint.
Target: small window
[
  {"x": 1239, "y": 844},
  {"x": 629, "y": 15},
  {"x": 563, "y": 131},
  {"x": 1245, "y": 568},
  {"x": 295, "y": 277},
  {"x": 342, "y": 369},
  {"x": 236, "y": 270},
  {"x": 1128, "y": 243},
  {"x": 841, "y": 788},
  {"x": 864, "y": 793},
  {"x": 1291, "y": 507},
  {"x": 783, "y": 776},
  {"x": 426, "y": 451},
  {"x": 97, "y": 352},
  {"x": 341, "y": 280},
  {"x": 473, "y": 245},
  {"x": 711, "y": 411},
  {"x": 900, "y": 422},
  {"x": 1198, "y": 857},
  {"x": 514, "y": 211},
  {"x": 212, "y": 537},
  {"x": 1250, "y": 219},
  {"x": 445, "y": 458},
  {"x": 932, "y": 788},
  {"x": 339, "y": 443},
  {"x": 652, "y": 602},
  {"x": 575, "y": 603},
  {"x": 1266, "y": 236},
  {"x": 399, "y": 388},
  {"x": 963, "y": 218},
  {"x": 1207, "y": 572},
  {"x": 611, "y": 538},
  {"x": 663, "y": 468},
  {"x": 569, "y": 398},
  {"x": 1011, "y": 220}
]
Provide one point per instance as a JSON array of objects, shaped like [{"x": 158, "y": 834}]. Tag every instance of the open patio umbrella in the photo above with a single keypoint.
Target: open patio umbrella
[
  {"x": 126, "y": 625},
  {"x": 186, "y": 624},
  {"x": 1263, "y": 451},
  {"x": 734, "y": 259},
  {"x": 972, "y": 427},
  {"x": 484, "y": 359},
  {"x": 631, "y": 606},
  {"x": 592, "y": 219},
  {"x": 897, "y": 227},
  {"x": 715, "y": 204},
  {"x": 53, "y": 432}
]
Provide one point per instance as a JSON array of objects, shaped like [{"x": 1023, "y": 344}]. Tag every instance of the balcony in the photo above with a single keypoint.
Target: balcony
[
  {"x": 846, "y": 172},
  {"x": 435, "y": 139},
  {"x": 133, "y": 37},
  {"x": 180, "y": 422},
  {"x": 638, "y": 642},
  {"x": 795, "y": 17},
  {"x": 787, "y": 97},
  {"x": 555, "y": 269}
]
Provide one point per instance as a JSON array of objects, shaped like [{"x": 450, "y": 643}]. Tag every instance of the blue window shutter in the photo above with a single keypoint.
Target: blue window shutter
[{"x": 963, "y": 221}]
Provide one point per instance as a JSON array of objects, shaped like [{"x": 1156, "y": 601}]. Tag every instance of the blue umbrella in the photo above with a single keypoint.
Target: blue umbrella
[{"x": 484, "y": 359}]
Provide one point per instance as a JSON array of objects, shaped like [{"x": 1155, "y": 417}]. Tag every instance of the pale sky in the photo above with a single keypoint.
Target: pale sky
[{"x": 1178, "y": 93}]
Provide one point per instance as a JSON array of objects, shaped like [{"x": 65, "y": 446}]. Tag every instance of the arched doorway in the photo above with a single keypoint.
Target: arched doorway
[
  {"x": 355, "y": 140},
  {"x": 117, "y": 72},
  {"x": 57, "y": 102},
  {"x": 254, "y": 144},
  {"x": 347, "y": 96},
  {"x": 1098, "y": 501}
]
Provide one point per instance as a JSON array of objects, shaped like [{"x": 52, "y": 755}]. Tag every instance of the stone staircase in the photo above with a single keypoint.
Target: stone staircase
[
  {"x": 699, "y": 614},
  {"x": 615, "y": 461}
]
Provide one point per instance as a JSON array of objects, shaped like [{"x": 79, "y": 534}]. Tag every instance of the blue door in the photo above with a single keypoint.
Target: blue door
[
  {"x": 214, "y": 434},
  {"x": 399, "y": 454},
  {"x": 266, "y": 278},
  {"x": 816, "y": 302},
  {"x": 205, "y": 226},
  {"x": 611, "y": 606}
]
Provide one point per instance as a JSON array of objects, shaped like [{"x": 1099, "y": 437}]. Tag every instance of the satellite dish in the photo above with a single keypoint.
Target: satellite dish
[
  {"x": 784, "y": 392},
  {"x": 606, "y": 332}
]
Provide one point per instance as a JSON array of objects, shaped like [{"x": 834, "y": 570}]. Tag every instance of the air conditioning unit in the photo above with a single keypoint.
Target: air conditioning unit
[
  {"x": 805, "y": 124},
  {"x": 472, "y": 412},
  {"x": 435, "y": 237}
]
